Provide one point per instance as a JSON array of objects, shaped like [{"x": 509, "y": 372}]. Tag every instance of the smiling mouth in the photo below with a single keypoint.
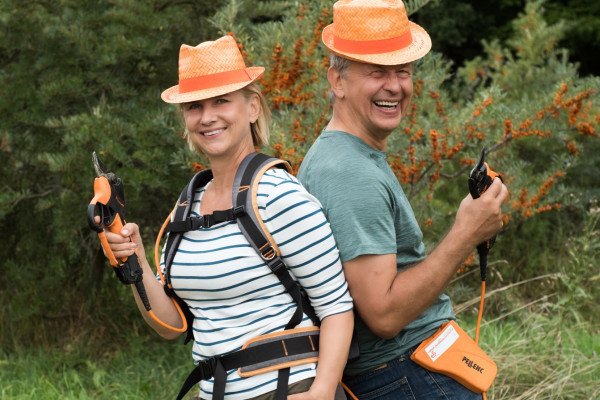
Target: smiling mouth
[
  {"x": 389, "y": 105},
  {"x": 212, "y": 133}
]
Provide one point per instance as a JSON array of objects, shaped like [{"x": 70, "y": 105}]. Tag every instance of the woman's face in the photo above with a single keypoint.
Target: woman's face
[{"x": 220, "y": 126}]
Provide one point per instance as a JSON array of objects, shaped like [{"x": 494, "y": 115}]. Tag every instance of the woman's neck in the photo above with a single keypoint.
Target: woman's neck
[{"x": 219, "y": 193}]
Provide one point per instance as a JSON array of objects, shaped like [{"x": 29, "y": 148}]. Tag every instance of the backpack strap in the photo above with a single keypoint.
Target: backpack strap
[
  {"x": 245, "y": 195},
  {"x": 245, "y": 190},
  {"x": 181, "y": 213}
]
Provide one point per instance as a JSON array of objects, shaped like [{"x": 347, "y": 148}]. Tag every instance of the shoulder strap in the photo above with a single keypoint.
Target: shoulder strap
[
  {"x": 245, "y": 189},
  {"x": 181, "y": 213}
]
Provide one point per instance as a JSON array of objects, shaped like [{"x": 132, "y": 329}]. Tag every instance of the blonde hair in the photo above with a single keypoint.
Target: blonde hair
[{"x": 259, "y": 128}]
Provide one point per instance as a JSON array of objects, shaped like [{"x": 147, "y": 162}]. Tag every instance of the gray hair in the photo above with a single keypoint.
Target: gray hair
[{"x": 341, "y": 64}]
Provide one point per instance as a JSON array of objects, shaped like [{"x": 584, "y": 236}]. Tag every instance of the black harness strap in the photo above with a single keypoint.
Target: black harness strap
[
  {"x": 244, "y": 195},
  {"x": 217, "y": 366},
  {"x": 183, "y": 210}
]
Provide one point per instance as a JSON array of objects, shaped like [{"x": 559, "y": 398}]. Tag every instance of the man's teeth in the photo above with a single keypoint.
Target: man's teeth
[
  {"x": 211, "y": 133},
  {"x": 386, "y": 104}
]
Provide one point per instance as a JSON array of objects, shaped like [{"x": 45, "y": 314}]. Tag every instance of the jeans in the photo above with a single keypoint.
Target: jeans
[{"x": 403, "y": 379}]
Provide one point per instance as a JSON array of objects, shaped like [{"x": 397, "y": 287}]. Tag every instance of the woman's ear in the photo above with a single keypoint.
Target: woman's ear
[
  {"x": 254, "y": 107},
  {"x": 336, "y": 81}
]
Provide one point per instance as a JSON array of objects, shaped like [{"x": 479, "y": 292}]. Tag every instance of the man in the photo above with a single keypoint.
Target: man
[{"x": 396, "y": 287}]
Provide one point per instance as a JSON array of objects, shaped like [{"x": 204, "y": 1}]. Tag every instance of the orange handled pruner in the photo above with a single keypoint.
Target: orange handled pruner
[
  {"x": 480, "y": 179},
  {"x": 109, "y": 204}
]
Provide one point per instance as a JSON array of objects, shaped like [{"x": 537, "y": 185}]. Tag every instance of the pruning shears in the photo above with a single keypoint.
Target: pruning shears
[
  {"x": 480, "y": 179},
  {"x": 109, "y": 204}
]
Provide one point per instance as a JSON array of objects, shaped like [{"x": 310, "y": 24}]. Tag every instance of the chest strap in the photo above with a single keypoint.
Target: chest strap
[{"x": 205, "y": 221}]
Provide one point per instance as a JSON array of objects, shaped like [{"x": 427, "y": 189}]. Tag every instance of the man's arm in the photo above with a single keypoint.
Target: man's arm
[{"x": 387, "y": 300}]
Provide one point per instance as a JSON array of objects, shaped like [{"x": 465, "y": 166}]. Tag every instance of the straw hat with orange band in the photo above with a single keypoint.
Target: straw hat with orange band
[
  {"x": 375, "y": 32},
  {"x": 210, "y": 69}
]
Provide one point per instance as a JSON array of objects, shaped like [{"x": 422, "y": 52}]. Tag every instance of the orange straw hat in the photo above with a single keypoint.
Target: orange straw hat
[
  {"x": 375, "y": 32},
  {"x": 210, "y": 69}
]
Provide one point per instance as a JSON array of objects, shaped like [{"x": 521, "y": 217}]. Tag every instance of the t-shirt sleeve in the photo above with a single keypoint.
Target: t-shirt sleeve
[
  {"x": 298, "y": 225},
  {"x": 360, "y": 209}
]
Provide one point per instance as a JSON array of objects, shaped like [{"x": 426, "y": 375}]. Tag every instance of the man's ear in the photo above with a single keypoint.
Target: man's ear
[{"x": 336, "y": 81}]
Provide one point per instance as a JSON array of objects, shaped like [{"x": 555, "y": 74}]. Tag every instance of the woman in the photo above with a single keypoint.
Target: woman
[{"x": 230, "y": 290}]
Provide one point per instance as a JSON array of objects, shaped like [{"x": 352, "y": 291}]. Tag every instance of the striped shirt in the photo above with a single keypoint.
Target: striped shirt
[{"x": 233, "y": 294}]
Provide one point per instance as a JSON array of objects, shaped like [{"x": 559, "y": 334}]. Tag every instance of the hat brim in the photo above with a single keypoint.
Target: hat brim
[
  {"x": 420, "y": 46},
  {"x": 172, "y": 95}
]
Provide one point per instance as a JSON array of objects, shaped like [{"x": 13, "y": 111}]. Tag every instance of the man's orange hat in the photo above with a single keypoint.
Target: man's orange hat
[{"x": 375, "y": 32}]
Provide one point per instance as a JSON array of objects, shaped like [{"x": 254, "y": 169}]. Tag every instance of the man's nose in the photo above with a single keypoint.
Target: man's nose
[{"x": 392, "y": 82}]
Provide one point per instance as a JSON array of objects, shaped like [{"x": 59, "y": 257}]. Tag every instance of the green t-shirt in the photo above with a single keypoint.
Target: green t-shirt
[{"x": 369, "y": 214}]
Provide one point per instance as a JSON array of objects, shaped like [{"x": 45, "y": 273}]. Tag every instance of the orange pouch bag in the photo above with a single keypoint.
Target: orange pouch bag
[{"x": 450, "y": 351}]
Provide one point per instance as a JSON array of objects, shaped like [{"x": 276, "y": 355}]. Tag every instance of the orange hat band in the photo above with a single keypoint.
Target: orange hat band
[
  {"x": 213, "y": 80},
  {"x": 373, "y": 46}
]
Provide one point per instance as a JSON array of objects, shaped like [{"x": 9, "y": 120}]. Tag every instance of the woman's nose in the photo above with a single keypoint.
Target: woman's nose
[{"x": 207, "y": 116}]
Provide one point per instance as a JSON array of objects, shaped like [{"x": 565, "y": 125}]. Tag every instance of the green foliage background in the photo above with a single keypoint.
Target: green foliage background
[{"x": 80, "y": 76}]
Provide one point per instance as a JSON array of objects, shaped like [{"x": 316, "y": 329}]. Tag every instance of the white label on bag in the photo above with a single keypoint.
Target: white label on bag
[{"x": 442, "y": 343}]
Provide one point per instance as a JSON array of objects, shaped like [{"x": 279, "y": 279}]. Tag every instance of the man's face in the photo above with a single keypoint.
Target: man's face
[{"x": 377, "y": 97}]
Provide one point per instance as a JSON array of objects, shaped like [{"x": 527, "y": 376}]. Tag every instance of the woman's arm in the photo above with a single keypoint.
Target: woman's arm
[
  {"x": 162, "y": 306},
  {"x": 334, "y": 343}
]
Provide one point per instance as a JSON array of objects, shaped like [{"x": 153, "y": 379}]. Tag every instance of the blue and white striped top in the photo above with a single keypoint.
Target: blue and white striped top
[{"x": 233, "y": 294}]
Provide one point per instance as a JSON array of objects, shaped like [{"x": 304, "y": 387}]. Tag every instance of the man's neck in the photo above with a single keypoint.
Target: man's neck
[{"x": 337, "y": 124}]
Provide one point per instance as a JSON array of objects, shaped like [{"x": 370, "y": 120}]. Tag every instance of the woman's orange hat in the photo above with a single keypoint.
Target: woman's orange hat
[
  {"x": 210, "y": 69},
  {"x": 375, "y": 32}
]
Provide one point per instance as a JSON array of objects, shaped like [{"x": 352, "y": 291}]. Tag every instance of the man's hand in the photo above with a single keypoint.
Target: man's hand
[{"x": 479, "y": 220}]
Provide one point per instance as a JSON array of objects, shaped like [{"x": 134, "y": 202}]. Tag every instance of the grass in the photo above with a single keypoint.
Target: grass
[
  {"x": 143, "y": 367},
  {"x": 538, "y": 358}
]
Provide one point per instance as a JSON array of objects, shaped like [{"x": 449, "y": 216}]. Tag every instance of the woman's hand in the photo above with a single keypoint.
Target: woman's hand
[
  {"x": 125, "y": 243},
  {"x": 315, "y": 393}
]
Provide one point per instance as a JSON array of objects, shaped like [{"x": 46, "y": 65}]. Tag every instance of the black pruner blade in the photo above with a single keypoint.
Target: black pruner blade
[
  {"x": 109, "y": 197},
  {"x": 101, "y": 169},
  {"x": 478, "y": 178}
]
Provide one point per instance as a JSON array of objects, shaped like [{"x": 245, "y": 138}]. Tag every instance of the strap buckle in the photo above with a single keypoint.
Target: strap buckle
[
  {"x": 238, "y": 211},
  {"x": 267, "y": 252},
  {"x": 203, "y": 221},
  {"x": 208, "y": 367}
]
